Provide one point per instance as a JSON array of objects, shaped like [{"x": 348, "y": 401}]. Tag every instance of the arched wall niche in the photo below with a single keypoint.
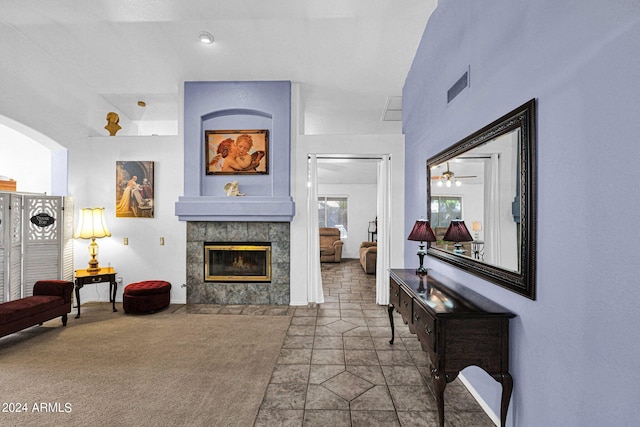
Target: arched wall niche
[
  {"x": 236, "y": 112},
  {"x": 246, "y": 105}
]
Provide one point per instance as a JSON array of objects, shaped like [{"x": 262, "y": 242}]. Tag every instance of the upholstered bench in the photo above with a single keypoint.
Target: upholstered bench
[
  {"x": 147, "y": 296},
  {"x": 50, "y": 299}
]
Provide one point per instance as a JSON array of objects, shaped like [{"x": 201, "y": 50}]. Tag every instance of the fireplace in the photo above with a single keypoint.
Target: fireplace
[
  {"x": 233, "y": 262},
  {"x": 263, "y": 215},
  {"x": 222, "y": 282}
]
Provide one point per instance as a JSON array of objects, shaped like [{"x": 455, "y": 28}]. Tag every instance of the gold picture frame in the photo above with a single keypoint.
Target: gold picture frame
[
  {"x": 237, "y": 262},
  {"x": 237, "y": 152},
  {"x": 135, "y": 189}
]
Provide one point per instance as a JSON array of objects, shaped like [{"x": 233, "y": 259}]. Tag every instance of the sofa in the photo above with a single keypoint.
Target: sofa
[
  {"x": 369, "y": 256},
  {"x": 51, "y": 298},
  {"x": 330, "y": 245}
]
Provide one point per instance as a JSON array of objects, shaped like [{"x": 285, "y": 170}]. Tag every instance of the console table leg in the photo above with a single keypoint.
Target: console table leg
[
  {"x": 439, "y": 383},
  {"x": 393, "y": 329},
  {"x": 507, "y": 388}
]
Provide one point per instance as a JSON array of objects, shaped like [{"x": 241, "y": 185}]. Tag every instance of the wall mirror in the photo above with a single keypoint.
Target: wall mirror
[{"x": 488, "y": 181}]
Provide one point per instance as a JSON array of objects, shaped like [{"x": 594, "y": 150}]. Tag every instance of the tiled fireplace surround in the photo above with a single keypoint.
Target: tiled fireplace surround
[{"x": 201, "y": 292}]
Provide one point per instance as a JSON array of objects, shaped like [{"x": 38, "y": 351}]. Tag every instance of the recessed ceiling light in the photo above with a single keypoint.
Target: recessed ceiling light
[{"x": 205, "y": 38}]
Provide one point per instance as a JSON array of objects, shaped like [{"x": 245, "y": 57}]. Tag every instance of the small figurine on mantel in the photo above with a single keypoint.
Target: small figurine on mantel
[
  {"x": 112, "y": 123},
  {"x": 233, "y": 189}
]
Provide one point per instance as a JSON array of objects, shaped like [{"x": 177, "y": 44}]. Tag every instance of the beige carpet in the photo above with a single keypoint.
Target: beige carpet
[{"x": 164, "y": 369}]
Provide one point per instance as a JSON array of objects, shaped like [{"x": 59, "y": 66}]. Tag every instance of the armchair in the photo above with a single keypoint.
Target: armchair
[
  {"x": 330, "y": 245},
  {"x": 369, "y": 256}
]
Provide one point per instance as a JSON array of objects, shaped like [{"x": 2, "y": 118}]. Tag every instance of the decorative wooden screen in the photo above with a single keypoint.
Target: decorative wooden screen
[
  {"x": 10, "y": 246},
  {"x": 43, "y": 226}
]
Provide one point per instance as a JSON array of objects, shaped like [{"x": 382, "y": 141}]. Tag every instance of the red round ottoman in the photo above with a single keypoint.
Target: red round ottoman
[{"x": 147, "y": 296}]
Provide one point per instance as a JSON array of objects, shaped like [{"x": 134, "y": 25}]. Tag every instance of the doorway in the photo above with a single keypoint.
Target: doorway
[{"x": 362, "y": 183}]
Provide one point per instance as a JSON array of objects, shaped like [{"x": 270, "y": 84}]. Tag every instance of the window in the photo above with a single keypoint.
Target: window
[
  {"x": 444, "y": 209},
  {"x": 333, "y": 212}
]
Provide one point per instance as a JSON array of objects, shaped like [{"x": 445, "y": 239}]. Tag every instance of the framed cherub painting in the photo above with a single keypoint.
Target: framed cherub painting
[{"x": 236, "y": 152}]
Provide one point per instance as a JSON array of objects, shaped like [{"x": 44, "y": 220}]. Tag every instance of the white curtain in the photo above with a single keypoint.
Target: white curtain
[
  {"x": 314, "y": 275},
  {"x": 492, "y": 211},
  {"x": 384, "y": 240}
]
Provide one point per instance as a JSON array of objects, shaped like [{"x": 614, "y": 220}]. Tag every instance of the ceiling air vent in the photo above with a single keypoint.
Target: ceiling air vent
[
  {"x": 459, "y": 86},
  {"x": 393, "y": 109}
]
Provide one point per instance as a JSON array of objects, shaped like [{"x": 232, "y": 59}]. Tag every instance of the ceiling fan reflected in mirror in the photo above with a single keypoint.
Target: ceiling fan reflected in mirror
[{"x": 448, "y": 178}]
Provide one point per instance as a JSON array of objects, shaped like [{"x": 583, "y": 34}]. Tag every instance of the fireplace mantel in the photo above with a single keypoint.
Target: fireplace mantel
[{"x": 244, "y": 208}]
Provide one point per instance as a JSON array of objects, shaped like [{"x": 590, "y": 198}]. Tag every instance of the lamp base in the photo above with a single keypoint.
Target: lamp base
[
  {"x": 421, "y": 271},
  {"x": 93, "y": 266},
  {"x": 93, "y": 253},
  {"x": 458, "y": 249}
]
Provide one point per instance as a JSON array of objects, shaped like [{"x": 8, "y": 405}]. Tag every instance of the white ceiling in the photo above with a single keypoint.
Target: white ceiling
[
  {"x": 345, "y": 57},
  {"x": 347, "y": 171}
]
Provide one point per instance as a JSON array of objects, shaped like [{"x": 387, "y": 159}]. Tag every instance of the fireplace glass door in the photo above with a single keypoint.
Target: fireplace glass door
[{"x": 237, "y": 262}]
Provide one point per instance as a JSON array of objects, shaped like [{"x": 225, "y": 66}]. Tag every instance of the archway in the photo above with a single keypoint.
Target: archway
[{"x": 35, "y": 161}]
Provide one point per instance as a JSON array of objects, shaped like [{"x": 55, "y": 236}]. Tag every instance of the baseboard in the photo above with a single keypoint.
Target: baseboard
[
  {"x": 181, "y": 301},
  {"x": 85, "y": 300},
  {"x": 119, "y": 300},
  {"x": 486, "y": 408},
  {"x": 299, "y": 303}
]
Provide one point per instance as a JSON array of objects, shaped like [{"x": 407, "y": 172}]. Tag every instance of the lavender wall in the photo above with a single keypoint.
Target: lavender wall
[
  {"x": 237, "y": 105},
  {"x": 574, "y": 351}
]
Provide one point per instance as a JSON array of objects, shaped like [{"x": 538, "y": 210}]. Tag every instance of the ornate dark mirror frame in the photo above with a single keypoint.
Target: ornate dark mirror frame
[{"x": 522, "y": 281}]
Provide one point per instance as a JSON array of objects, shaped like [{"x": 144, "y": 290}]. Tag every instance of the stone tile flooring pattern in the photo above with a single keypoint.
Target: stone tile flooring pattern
[{"x": 337, "y": 368}]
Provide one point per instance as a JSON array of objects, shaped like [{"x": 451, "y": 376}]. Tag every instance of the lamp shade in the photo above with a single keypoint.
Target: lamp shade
[
  {"x": 457, "y": 232},
  {"x": 422, "y": 232},
  {"x": 92, "y": 225}
]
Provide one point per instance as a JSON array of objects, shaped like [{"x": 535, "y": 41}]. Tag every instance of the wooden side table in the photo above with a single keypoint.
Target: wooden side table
[{"x": 84, "y": 277}]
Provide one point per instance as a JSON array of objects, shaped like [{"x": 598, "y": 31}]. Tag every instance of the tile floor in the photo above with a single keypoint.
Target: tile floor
[{"x": 337, "y": 368}]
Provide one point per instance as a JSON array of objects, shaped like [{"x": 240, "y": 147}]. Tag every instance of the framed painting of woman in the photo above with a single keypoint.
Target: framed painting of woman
[{"x": 134, "y": 189}]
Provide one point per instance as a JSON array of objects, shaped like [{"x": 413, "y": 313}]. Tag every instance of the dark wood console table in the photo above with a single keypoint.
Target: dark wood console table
[
  {"x": 457, "y": 327},
  {"x": 84, "y": 277}
]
